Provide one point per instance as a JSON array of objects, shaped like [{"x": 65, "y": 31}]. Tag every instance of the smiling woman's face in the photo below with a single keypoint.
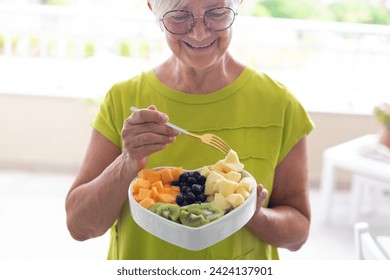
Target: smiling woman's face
[{"x": 200, "y": 48}]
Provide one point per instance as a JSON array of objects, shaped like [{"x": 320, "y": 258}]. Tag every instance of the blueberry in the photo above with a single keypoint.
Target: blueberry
[
  {"x": 183, "y": 177},
  {"x": 197, "y": 189},
  {"x": 191, "y": 198},
  {"x": 175, "y": 183},
  {"x": 201, "y": 197},
  {"x": 180, "y": 199},
  {"x": 191, "y": 181},
  {"x": 201, "y": 180},
  {"x": 194, "y": 174},
  {"x": 183, "y": 189}
]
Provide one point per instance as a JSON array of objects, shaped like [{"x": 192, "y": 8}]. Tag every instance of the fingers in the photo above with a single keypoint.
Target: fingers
[
  {"x": 262, "y": 195},
  {"x": 149, "y": 115},
  {"x": 145, "y": 132}
]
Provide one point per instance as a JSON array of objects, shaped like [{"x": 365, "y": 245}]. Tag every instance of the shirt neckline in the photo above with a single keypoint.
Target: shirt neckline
[{"x": 183, "y": 97}]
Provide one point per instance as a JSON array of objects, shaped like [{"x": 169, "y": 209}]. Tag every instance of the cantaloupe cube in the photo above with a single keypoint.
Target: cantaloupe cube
[
  {"x": 165, "y": 197},
  {"x": 147, "y": 202},
  {"x": 158, "y": 185},
  {"x": 154, "y": 194},
  {"x": 143, "y": 184},
  {"x": 144, "y": 173},
  {"x": 176, "y": 172},
  {"x": 144, "y": 193},
  {"x": 165, "y": 190},
  {"x": 166, "y": 175},
  {"x": 154, "y": 177},
  {"x": 175, "y": 189},
  {"x": 135, "y": 188}
]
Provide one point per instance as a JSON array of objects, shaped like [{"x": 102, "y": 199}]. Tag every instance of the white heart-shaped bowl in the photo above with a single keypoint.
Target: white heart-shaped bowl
[{"x": 195, "y": 238}]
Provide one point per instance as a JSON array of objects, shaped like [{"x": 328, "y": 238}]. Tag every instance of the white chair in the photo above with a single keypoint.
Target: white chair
[
  {"x": 365, "y": 245},
  {"x": 367, "y": 195}
]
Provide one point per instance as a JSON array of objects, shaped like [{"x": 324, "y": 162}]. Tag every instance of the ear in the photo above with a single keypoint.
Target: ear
[{"x": 150, "y": 6}]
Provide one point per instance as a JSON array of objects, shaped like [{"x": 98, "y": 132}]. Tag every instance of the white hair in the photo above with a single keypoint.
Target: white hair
[{"x": 160, "y": 7}]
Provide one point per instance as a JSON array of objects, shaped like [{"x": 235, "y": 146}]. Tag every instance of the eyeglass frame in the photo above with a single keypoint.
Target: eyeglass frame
[{"x": 235, "y": 13}]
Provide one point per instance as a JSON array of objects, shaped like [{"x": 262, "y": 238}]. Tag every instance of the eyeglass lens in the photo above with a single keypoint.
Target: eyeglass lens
[{"x": 182, "y": 22}]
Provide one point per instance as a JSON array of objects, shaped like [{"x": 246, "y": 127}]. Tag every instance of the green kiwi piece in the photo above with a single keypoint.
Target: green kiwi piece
[
  {"x": 155, "y": 206},
  {"x": 211, "y": 213},
  {"x": 191, "y": 219},
  {"x": 169, "y": 211},
  {"x": 190, "y": 207}
]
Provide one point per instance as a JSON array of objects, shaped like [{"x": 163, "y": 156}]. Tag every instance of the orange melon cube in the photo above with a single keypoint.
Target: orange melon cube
[
  {"x": 154, "y": 194},
  {"x": 154, "y": 176},
  {"x": 158, "y": 185},
  {"x": 176, "y": 171},
  {"x": 165, "y": 190},
  {"x": 145, "y": 173},
  {"x": 165, "y": 197},
  {"x": 135, "y": 188},
  {"x": 143, "y": 184},
  {"x": 136, "y": 197},
  {"x": 166, "y": 175},
  {"x": 175, "y": 190},
  {"x": 144, "y": 193},
  {"x": 147, "y": 202}
]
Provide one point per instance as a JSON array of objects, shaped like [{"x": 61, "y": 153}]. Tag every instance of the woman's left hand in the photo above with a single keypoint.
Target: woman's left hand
[{"x": 262, "y": 195}]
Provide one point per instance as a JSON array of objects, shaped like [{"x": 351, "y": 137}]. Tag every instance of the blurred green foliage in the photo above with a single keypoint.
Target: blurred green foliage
[{"x": 360, "y": 11}]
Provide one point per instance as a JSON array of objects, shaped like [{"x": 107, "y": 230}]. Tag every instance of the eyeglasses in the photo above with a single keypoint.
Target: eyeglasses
[{"x": 180, "y": 22}]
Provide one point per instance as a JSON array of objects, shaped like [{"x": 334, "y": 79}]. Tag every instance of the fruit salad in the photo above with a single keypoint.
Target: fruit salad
[{"x": 193, "y": 198}]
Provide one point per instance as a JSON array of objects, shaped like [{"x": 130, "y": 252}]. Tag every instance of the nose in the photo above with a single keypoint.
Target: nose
[{"x": 199, "y": 29}]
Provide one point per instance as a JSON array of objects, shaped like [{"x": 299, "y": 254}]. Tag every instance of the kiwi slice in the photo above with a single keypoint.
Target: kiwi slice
[
  {"x": 190, "y": 207},
  {"x": 193, "y": 220},
  {"x": 208, "y": 210},
  {"x": 169, "y": 211},
  {"x": 155, "y": 206},
  {"x": 211, "y": 212}
]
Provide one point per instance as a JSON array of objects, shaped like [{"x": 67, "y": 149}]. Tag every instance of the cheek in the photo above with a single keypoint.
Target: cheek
[{"x": 172, "y": 41}]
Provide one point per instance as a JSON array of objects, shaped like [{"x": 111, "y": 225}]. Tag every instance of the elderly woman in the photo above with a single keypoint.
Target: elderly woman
[{"x": 203, "y": 88}]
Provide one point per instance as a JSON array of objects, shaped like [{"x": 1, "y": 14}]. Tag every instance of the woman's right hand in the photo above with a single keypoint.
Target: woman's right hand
[{"x": 145, "y": 133}]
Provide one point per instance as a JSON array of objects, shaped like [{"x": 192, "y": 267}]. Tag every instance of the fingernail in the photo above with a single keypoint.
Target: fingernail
[{"x": 164, "y": 117}]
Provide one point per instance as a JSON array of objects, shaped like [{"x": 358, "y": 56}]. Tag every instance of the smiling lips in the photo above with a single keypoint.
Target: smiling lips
[{"x": 200, "y": 46}]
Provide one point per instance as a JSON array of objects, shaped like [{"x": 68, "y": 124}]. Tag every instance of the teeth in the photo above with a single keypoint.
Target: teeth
[{"x": 200, "y": 47}]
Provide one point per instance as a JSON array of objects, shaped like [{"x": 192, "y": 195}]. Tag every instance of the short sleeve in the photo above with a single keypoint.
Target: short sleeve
[
  {"x": 296, "y": 125},
  {"x": 104, "y": 121}
]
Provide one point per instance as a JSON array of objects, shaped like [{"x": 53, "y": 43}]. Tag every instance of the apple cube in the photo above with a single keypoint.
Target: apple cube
[
  {"x": 246, "y": 183},
  {"x": 205, "y": 171},
  {"x": 221, "y": 202},
  {"x": 225, "y": 186},
  {"x": 233, "y": 176},
  {"x": 218, "y": 166},
  {"x": 235, "y": 199},
  {"x": 242, "y": 191},
  {"x": 210, "y": 182},
  {"x": 231, "y": 157},
  {"x": 238, "y": 167}
]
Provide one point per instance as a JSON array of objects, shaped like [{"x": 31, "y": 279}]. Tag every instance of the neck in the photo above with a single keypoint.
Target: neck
[{"x": 192, "y": 80}]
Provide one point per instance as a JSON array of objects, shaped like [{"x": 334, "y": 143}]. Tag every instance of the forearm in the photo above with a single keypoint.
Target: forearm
[
  {"x": 282, "y": 226},
  {"x": 94, "y": 206}
]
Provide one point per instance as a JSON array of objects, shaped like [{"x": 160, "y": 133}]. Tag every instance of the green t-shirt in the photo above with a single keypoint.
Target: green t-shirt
[{"x": 259, "y": 118}]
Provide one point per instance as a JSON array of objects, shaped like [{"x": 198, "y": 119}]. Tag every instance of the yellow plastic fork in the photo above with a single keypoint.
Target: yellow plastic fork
[{"x": 208, "y": 138}]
